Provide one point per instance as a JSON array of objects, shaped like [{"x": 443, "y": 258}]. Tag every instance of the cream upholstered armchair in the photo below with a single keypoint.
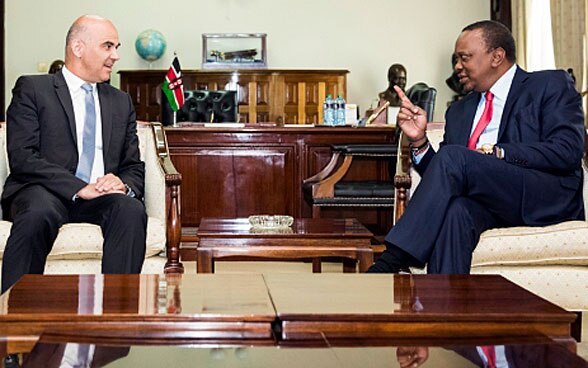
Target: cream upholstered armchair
[
  {"x": 550, "y": 261},
  {"x": 78, "y": 247}
]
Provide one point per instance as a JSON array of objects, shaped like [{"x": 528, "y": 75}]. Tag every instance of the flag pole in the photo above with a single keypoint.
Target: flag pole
[{"x": 175, "y": 119}]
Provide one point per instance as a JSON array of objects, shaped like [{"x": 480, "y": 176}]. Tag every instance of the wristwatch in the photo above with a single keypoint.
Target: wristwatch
[
  {"x": 498, "y": 152},
  {"x": 489, "y": 149}
]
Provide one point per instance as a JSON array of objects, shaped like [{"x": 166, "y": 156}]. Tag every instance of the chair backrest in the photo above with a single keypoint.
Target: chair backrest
[
  {"x": 423, "y": 96},
  {"x": 154, "y": 176}
]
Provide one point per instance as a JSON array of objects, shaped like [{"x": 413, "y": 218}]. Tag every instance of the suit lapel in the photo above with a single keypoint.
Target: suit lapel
[
  {"x": 518, "y": 81},
  {"x": 469, "y": 112},
  {"x": 65, "y": 100},
  {"x": 106, "y": 113}
]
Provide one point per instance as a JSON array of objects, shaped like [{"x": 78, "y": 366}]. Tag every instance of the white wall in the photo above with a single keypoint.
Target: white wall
[{"x": 365, "y": 37}]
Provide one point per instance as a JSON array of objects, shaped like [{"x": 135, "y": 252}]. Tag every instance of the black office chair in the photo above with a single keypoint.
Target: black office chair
[
  {"x": 423, "y": 96},
  {"x": 203, "y": 106}
]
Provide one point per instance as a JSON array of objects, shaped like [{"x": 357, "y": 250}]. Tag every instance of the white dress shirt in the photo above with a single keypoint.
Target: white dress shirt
[
  {"x": 78, "y": 95},
  {"x": 500, "y": 91}
]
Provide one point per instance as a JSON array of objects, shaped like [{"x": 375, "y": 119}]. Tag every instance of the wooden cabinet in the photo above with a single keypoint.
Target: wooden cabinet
[
  {"x": 232, "y": 172},
  {"x": 266, "y": 95}
]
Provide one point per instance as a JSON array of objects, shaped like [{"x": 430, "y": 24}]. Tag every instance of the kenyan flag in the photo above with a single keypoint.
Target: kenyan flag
[{"x": 172, "y": 86}]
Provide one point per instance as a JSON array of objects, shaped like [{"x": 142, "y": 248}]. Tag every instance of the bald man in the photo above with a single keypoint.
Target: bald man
[{"x": 74, "y": 157}]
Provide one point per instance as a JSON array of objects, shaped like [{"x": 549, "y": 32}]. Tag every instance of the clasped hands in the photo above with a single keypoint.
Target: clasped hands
[
  {"x": 107, "y": 184},
  {"x": 412, "y": 120}
]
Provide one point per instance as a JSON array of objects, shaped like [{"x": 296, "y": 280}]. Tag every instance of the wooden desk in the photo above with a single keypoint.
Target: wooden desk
[
  {"x": 305, "y": 239},
  {"x": 339, "y": 306},
  {"x": 238, "y": 172}
]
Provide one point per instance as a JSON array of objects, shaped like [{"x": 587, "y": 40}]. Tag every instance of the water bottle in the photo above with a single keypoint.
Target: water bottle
[
  {"x": 340, "y": 110},
  {"x": 328, "y": 115},
  {"x": 335, "y": 111}
]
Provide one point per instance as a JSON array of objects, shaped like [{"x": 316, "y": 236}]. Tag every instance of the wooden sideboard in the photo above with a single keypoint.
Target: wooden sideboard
[
  {"x": 264, "y": 95},
  {"x": 238, "y": 172}
]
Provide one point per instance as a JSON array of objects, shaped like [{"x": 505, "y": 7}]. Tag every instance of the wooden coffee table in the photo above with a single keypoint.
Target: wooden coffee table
[
  {"x": 305, "y": 239},
  {"x": 269, "y": 309},
  {"x": 196, "y": 308},
  {"x": 442, "y": 307}
]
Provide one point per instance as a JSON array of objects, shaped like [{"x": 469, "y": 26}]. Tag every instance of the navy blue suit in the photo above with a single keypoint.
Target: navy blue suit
[{"x": 463, "y": 193}]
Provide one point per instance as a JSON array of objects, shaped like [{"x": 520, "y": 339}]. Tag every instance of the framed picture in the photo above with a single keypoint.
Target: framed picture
[{"x": 234, "y": 50}]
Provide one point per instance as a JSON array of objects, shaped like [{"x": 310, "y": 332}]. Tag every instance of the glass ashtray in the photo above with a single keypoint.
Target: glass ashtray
[{"x": 271, "y": 221}]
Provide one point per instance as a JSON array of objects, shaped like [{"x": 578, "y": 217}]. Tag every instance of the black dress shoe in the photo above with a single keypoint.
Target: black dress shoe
[
  {"x": 394, "y": 260},
  {"x": 11, "y": 361}
]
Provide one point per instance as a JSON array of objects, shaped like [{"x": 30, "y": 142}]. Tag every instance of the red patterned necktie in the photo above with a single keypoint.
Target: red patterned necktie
[
  {"x": 483, "y": 122},
  {"x": 490, "y": 354}
]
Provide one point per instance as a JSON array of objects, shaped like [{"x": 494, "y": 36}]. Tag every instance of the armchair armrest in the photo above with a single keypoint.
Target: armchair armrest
[
  {"x": 173, "y": 181},
  {"x": 402, "y": 179},
  {"x": 403, "y": 182},
  {"x": 347, "y": 150}
]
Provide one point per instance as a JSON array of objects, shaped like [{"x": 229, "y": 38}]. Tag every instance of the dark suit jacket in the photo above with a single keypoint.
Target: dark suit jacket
[
  {"x": 41, "y": 133},
  {"x": 542, "y": 130}
]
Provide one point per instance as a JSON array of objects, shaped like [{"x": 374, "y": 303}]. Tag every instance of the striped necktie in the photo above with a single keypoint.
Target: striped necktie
[{"x": 86, "y": 162}]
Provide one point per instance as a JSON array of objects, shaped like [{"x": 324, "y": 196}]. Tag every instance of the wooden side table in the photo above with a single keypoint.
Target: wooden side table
[{"x": 305, "y": 239}]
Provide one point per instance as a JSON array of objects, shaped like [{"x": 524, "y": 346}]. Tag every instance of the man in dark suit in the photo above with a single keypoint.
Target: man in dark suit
[
  {"x": 530, "y": 127},
  {"x": 74, "y": 157}
]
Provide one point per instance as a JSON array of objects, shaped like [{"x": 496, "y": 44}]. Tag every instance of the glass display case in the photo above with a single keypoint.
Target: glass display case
[{"x": 234, "y": 50}]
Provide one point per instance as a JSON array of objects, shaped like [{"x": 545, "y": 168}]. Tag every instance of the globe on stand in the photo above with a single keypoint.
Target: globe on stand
[{"x": 150, "y": 45}]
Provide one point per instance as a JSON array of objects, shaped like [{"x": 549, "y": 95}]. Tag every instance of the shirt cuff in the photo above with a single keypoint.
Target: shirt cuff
[
  {"x": 416, "y": 159},
  {"x": 130, "y": 192}
]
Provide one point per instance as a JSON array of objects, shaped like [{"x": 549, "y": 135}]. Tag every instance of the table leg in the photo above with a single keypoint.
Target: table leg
[
  {"x": 316, "y": 265},
  {"x": 204, "y": 261},
  {"x": 349, "y": 265},
  {"x": 365, "y": 258}
]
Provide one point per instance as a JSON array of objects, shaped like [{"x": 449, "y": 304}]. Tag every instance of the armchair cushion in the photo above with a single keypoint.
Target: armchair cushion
[
  {"x": 565, "y": 243},
  {"x": 368, "y": 188}
]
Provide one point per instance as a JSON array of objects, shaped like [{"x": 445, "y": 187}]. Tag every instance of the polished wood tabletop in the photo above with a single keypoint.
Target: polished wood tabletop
[
  {"x": 260, "y": 309},
  {"x": 210, "y": 307},
  {"x": 538, "y": 353},
  {"x": 301, "y": 228},
  {"x": 370, "y": 306}
]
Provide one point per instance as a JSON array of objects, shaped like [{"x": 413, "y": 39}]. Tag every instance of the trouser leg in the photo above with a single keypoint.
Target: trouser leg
[
  {"x": 123, "y": 221},
  {"x": 36, "y": 216},
  {"x": 457, "y": 172},
  {"x": 464, "y": 221}
]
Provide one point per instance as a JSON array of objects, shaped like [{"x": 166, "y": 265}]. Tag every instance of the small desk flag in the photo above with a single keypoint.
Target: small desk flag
[{"x": 173, "y": 87}]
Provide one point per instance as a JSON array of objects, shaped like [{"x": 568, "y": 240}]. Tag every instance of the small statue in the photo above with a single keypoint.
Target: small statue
[
  {"x": 56, "y": 66},
  {"x": 396, "y": 76},
  {"x": 389, "y": 97}
]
